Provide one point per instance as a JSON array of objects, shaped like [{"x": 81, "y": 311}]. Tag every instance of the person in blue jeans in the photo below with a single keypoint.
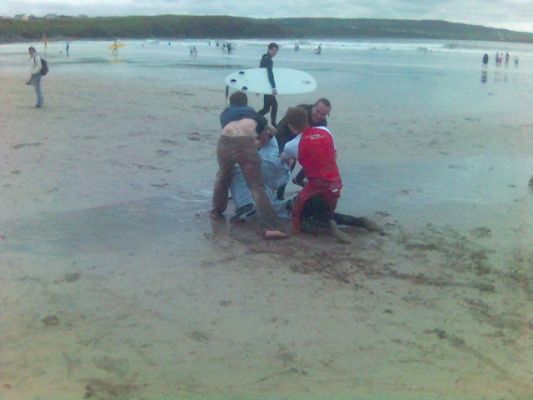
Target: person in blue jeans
[{"x": 35, "y": 77}]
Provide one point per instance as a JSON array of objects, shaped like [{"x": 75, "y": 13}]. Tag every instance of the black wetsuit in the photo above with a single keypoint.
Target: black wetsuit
[
  {"x": 270, "y": 102},
  {"x": 316, "y": 214}
]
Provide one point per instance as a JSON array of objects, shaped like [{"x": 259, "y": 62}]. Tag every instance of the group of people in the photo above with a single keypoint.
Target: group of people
[
  {"x": 499, "y": 58},
  {"x": 255, "y": 160}
]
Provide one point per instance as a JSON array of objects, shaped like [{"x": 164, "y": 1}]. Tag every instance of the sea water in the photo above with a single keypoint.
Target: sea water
[{"x": 382, "y": 91}]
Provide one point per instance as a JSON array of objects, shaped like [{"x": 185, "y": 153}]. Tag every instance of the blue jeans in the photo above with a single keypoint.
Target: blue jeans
[
  {"x": 35, "y": 81},
  {"x": 274, "y": 172}
]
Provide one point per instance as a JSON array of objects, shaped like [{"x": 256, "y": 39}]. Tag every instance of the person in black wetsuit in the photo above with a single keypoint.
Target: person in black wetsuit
[{"x": 270, "y": 102}]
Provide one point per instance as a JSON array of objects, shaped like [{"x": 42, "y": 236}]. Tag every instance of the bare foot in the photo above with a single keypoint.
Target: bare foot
[
  {"x": 336, "y": 232},
  {"x": 367, "y": 224},
  {"x": 214, "y": 214},
  {"x": 275, "y": 234}
]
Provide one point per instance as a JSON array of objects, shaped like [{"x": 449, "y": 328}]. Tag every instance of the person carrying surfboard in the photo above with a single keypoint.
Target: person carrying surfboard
[{"x": 270, "y": 102}]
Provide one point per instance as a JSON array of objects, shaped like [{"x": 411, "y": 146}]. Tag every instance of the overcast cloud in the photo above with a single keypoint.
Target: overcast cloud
[{"x": 509, "y": 14}]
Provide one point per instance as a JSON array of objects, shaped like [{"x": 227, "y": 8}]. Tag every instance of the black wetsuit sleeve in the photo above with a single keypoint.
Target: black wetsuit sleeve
[
  {"x": 266, "y": 62},
  {"x": 262, "y": 123}
]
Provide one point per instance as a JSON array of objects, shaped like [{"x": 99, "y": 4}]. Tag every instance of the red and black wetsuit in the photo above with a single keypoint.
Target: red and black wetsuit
[{"x": 316, "y": 154}]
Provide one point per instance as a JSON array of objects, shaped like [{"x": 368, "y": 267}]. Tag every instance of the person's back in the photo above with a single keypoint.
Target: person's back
[{"x": 316, "y": 154}]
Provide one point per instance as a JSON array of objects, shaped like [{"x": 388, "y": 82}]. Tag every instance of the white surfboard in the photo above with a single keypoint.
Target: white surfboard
[{"x": 255, "y": 80}]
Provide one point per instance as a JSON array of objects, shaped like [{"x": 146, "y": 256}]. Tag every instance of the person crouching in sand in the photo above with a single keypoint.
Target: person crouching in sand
[
  {"x": 238, "y": 145},
  {"x": 315, "y": 204}
]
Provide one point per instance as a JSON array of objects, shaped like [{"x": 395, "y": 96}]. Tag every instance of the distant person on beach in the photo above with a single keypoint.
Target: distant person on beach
[
  {"x": 45, "y": 42},
  {"x": 485, "y": 59},
  {"x": 314, "y": 207},
  {"x": 269, "y": 100},
  {"x": 296, "y": 47},
  {"x": 507, "y": 56},
  {"x": 114, "y": 47},
  {"x": 238, "y": 145},
  {"x": 318, "y": 50},
  {"x": 516, "y": 61},
  {"x": 67, "y": 48},
  {"x": 317, "y": 114},
  {"x": 35, "y": 75}
]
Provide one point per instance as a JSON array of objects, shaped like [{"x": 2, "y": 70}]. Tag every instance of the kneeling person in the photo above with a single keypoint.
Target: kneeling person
[{"x": 314, "y": 207}]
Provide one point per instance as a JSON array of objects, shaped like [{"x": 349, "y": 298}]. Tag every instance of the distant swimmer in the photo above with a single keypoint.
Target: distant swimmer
[
  {"x": 485, "y": 60},
  {"x": 318, "y": 50}
]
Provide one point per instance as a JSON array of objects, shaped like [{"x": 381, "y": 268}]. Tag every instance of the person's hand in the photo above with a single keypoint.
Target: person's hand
[
  {"x": 288, "y": 160},
  {"x": 263, "y": 138},
  {"x": 274, "y": 92},
  {"x": 272, "y": 131}
]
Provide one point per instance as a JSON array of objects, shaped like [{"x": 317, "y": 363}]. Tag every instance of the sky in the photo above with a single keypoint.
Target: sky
[{"x": 508, "y": 14}]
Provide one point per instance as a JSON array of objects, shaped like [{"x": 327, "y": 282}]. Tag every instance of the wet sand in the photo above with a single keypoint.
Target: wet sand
[{"x": 116, "y": 285}]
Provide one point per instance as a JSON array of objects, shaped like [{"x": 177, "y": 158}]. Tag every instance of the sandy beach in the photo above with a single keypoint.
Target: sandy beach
[{"x": 115, "y": 284}]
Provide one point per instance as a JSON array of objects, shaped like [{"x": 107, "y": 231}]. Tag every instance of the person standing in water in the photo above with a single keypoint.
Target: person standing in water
[
  {"x": 270, "y": 102},
  {"x": 115, "y": 46},
  {"x": 35, "y": 75}
]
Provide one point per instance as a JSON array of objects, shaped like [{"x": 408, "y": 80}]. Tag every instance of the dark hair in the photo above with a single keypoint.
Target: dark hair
[
  {"x": 324, "y": 101},
  {"x": 31, "y": 48},
  {"x": 297, "y": 117},
  {"x": 238, "y": 99},
  {"x": 273, "y": 45}
]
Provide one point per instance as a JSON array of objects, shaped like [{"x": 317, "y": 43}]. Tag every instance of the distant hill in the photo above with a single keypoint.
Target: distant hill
[{"x": 180, "y": 26}]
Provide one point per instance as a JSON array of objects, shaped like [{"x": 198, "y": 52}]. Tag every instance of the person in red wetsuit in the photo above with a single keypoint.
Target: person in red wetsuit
[
  {"x": 314, "y": 206},
  {"x": 316, "y": 154}
]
